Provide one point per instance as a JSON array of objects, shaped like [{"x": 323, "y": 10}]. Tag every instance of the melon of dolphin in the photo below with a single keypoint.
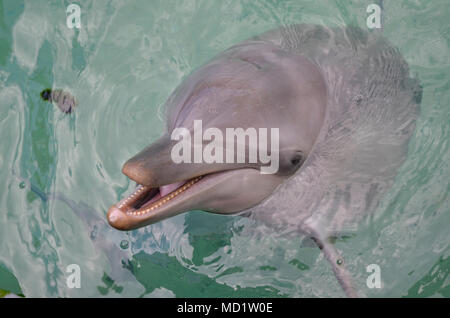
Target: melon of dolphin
[{"x": 345, "y": 108}]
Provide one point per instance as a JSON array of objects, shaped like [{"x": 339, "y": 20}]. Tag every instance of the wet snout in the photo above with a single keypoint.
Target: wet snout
[{"x": 155, "y": 167}]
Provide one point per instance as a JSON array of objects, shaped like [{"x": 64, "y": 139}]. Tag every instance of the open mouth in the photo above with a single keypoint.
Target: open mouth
[
  {"x": 214, "y": 191},
  {"x": 146, "y": 200}
]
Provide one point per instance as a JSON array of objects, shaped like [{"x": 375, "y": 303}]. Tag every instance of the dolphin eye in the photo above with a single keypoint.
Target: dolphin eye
[
  {"x": 296, "y": 159},
  {"x": 290, "y": 161}
]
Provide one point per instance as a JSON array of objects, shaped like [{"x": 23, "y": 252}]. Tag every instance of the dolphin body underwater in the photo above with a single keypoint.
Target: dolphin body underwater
[{"x": 345, "y": 107}]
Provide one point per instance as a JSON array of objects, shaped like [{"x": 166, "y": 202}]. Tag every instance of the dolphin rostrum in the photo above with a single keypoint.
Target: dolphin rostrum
[{"x": 344, "y": 107}]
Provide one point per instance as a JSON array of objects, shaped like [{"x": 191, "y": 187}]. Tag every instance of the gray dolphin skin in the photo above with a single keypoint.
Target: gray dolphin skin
[{"x": 345, "y": 108}]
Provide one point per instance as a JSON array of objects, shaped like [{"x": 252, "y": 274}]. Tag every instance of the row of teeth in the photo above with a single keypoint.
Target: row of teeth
[
  {"x": 133, "y": 196},
  {"x": 161, "y": 201}
]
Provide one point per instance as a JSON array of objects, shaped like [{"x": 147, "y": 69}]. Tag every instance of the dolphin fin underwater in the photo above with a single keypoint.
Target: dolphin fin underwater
[{"x": 345, "y": 107}]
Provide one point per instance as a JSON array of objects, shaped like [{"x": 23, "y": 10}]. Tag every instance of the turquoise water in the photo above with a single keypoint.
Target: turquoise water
[{"x": 60, "y": 172}]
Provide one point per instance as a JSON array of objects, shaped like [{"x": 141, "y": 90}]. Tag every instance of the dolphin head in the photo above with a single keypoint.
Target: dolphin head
[{"x": 254, "y": 88}]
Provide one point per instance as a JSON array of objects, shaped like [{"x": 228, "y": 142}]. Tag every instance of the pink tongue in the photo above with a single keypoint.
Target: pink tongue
[{"x": 164, "y": 190}]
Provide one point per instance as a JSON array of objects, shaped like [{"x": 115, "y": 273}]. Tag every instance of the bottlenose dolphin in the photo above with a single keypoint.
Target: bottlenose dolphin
[{"x": 345, "y": 108}]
